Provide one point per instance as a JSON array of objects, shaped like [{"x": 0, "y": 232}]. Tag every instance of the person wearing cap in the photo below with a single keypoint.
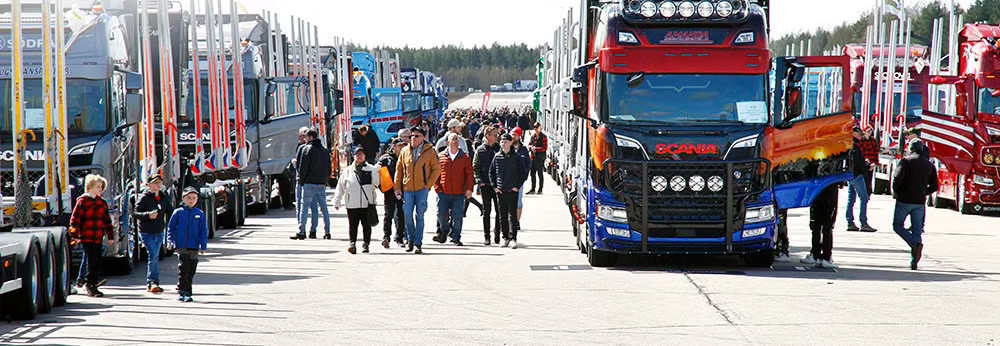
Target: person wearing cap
[
  {"x": 507, "y": 177},
  {"x": 392, "y": 206},
  {"x": 314, "y": 174},
  {"x": 357, "y": 187},
  {"x": 911, "y": 134},
  {"x": 454, "y": 126},
  {"x": 856, "y": 188},
  {"x": 915, "y": 178},
  {"x": 416, "y": 172},
  {"x": 151, "y": 212},
  {"x": 518, "y": 147},
  {"x": 539, "y": 145},
  {"x": 187, "y": 232}
]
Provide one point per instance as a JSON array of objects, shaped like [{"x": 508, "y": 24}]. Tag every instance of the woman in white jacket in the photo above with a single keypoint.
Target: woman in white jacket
[{"x": 357, "y": 186}]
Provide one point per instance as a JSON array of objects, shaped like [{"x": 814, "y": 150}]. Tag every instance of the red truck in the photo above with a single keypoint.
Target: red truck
[{"x": 966, "y": 144}]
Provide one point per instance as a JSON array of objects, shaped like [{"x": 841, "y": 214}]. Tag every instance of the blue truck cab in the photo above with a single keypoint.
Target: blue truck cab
[{"x": 381, "y": 108}]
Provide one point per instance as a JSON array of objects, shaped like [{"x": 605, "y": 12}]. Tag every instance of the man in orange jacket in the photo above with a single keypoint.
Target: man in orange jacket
[
  {"x": 416, "y": 172},
  {"x": 454, "y": 186}
]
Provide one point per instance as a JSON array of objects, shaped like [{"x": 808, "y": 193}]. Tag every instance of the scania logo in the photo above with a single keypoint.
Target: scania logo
[
  {"x": 700, "y": 149},
  {"x": 29, "y": 155}
]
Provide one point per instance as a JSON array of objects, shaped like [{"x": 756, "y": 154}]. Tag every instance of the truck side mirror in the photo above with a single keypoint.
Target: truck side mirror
[
  {"x": 580, "y": 72},
  {"x": 133, "y": 81},
  {"x": 795, "y": 72},
  {"x": 793, "y": 103},
  {"x": 133, "y": 109},
  {"x": 268, "y": 106}
]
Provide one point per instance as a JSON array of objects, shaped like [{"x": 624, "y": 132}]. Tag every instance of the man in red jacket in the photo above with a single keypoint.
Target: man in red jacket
[{"x": 454, "y": 186}]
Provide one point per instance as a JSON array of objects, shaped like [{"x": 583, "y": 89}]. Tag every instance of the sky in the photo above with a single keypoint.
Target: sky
[{"x": 427, "y": 23}]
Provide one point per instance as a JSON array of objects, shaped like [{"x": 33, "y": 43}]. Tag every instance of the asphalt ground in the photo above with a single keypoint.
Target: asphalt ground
[{"x": 257, "y": 287}]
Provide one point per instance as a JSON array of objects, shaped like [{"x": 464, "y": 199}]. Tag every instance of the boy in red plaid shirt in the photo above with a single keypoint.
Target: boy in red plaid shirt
[{"x": 89, "y": 224}]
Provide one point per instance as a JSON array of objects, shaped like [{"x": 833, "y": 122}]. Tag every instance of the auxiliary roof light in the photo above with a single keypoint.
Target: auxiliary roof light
[
  {"x": 705, "y": 9},
  {"x": 648, "y": 9},
  {"x": 686, "y": 9},
  {"x": 724, "y": 9},
  {"x": 668, "y": 9}
]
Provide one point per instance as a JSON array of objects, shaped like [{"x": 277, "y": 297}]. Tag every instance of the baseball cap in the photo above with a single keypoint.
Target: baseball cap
[
  {"x": 454, "y": 123},
  {"x": 359, "y": 149},
  {"x": 188, "y": 190},
  {"x": 404, "y": 133},
  {"x": 506, "y": 137},
  {"x": 154, "y": 176}
]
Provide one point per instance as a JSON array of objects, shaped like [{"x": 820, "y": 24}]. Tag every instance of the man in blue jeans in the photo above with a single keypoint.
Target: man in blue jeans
[
  {"x": 313, "y": 207},
  {"x": 151, "y": 211},
  {"x": 454, "y": 186},
  {"x": 915, "y": 178},
  {"x": 313, "y": 170},
  {"x": 857, "y": 188},
  {"x": 416, "y": 172}
]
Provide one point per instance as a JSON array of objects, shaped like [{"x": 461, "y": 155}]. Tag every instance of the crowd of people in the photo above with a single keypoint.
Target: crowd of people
[
  {"x": 477, "y": 154},
  {"x": 914, "y": 179}
]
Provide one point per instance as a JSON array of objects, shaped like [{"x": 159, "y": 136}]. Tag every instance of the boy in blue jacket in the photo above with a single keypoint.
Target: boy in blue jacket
[{"x": 188, "y": 233}]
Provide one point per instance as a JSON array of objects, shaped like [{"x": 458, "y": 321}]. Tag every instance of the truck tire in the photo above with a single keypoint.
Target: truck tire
[
  {"x": 124, "y": 265},
  {"x": 213, "y": 218},
  {"x": 231, "y": 218},
  {"x": 937, "y": 202},
  {"x": 48, "y": 256},
  {"x": 63, "y": 268},
  {"x": 263, "y": 203},
  {"x": 241, "y": 204},
  {"x": 601, "y": 258},
  {"x": 761, "y": 259},
  {"x": 24, "y": 303}
]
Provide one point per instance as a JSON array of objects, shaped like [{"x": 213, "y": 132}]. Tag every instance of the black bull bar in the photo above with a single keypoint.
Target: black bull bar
[{"x": 684, "y": 199}]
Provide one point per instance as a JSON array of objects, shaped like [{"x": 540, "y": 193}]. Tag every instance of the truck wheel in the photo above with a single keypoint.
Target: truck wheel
[
  {"x": 761, "y": 259},
  {"x": 230, "y": 219},
  {"x": 241, "y": 204},
  {"x": 125, "y": 264},
  {"x": 213, "y": 218},
  {"x": 49, "y": 282},
  {"x": 581, "y": 239},
  {"x": 261, "y": 207},
  {"x": 601, "y": 258},
  {"x": 24, "y": 303},
  {"x": 63, "y": 270},
  {"x": 936, "y": 201}
]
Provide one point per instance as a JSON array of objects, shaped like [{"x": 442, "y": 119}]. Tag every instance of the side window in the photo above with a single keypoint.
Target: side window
[
  {"x": 821, "y": 92},
  {"x": 388, "y": 103},
  {"x": 117, "y": 112}
]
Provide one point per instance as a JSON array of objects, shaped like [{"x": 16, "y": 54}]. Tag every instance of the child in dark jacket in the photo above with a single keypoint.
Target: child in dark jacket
[{"x": 188, "y": 233}]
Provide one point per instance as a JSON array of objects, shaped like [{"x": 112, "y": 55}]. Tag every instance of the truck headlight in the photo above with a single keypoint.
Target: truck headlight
[
  {"x": 83, "y": 150},
  {"x": 619, "y": 232},
  {"x": 668, "y": 9},
  {"x": 760, "y": 214},
  {"x": 982, "y": 180},
  {"x": 992, "y": 131},
  {"x": 705, "y": 9},
  {"x": 686, "y": 9},
  {"x": 724, "y": 9},
  {"x": 753, "y": 232},
  {"x": 611, "y": 213},
  {"x": 648, "y": 9}
]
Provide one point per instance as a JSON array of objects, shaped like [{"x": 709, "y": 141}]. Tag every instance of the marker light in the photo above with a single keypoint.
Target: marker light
[
  {"x": 648, "y": 9},
  {"x": 686, "y": 9},
  {"x": 668, "y": 9},
  {"x": 724, "y": 9},
  {"x": 988, "y": 159},
  {"x": 742, "y": 38},
  {"x": 627, "y": 37},
  {"x": 705, "y": 9}
]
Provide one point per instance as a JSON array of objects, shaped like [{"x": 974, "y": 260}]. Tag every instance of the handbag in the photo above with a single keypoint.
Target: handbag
[{"x": 372, "y": 213}]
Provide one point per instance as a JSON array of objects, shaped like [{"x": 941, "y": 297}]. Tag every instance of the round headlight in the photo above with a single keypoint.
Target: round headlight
[
  {"x": 988, "y": 159},
  {"x": 648, "y": 9},
  {"x": 633, "y": 6},
  {"x": 724, "y": 9},
  {"x": 677, "y": 183},
  {"x": 697, "y": 183},
  {"x": 715, "y": 183},
  {"x": 705, "y": 9},
  {"x": 667, "y": 9},
  {"x": 686, "y": 9}
]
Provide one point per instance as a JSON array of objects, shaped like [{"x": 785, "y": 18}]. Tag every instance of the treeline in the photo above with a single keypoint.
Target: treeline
[
  {"x": 476, "y": 67},
  {"x": 923, "y": 16}
]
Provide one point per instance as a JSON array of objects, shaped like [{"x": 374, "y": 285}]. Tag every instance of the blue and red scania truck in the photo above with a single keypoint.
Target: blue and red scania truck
[{"x": 688, "y": 137}]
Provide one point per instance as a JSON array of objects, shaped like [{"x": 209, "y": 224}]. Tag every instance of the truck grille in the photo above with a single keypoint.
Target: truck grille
[
  {"x": 664, "y": 196},
  {"x": 35, "y": 178}
]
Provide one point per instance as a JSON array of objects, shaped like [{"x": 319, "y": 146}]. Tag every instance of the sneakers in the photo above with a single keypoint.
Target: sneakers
[
  {"x": 364, "y": 248},
  {"x": 418, "y": 251},
  {"x": 93, "y": 292},
  {"x": 409, "y": 246},
  {"x": 385, "y": 243},
  {"x": 440, "y": 238},
  {"x": 851, "y": 227},
  {"x": 297, "y": 236},
  {"x": 188, "y": 299},
  {"x": 496, "y": 238},
  {"x": 915, "y": 253},
  {"x": 808, "y": 259},
  {"x": 312, "y": 235},
  {"x": 866, "y": 228},
  {"x": 530, "y": 192},
  {"x": 399, "y": 241},
  {"x": 353, "y": 249},
  {"x": 513, "y": 244},
  {"x": 181, "y": 297},
  {"x": 506, "y": 243},
  {"x": 487, "y": 242},
  {"x": 327, "y": 236},
  {"x": 782, "y": 257},
  {"x": 458, "y": 243},
  {"x": 152, "y": 288},
  {"x": 826, "y": 264}
]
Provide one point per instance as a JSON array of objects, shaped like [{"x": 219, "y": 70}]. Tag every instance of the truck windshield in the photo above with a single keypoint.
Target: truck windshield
[
  {"x": 249, "y": 90},
  {"x": 914, "y": 104},
  {"x": 670, "y": 98},
  {"x": 86, "y": 105},
  {"x": 411, "y": 102},
  {"x": 988, "y": 103},
  {"x": 427, "y": 102}
]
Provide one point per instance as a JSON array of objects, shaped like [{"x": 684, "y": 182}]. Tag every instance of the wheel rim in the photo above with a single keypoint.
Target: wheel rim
[
  {"x": 51, "y": 281},
  {"x": 34, "y": 282},
  {"x": 65, "y": 270}
]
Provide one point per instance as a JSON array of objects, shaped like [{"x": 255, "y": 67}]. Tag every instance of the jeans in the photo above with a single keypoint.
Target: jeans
[
  {"x": 856, "y": 189},
  {"x": 916, "y": 213},
  {"x": 186, "y": 268},
  {"x": 314, "y": 193},
  {"x": 414, "y": 207},
  {"x": 393, "y": 209},
  {"x": 508, "y": 215},
  {"x": 450, "y": 212},
  {"x": 356, "y": 216},
  {"x": 152, "y": 241},
  {"x": 82, "y": 277},
  {"x": 92, "y": 255},
  {"x": 314, "y": 207}
]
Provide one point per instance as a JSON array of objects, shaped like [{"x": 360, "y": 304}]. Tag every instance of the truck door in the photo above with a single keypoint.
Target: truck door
[{"x": 810, "y": 139}]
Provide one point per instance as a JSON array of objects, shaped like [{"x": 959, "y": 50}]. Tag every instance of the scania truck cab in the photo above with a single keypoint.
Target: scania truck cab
[
  {"x": 967, "y": 143},
  {"x": 684, "y": 148},
  {"x": 381, "y": 108}
]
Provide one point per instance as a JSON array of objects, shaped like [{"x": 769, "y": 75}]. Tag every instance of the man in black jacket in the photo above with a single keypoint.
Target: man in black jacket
[
  {"x": 393, "y": 206},
  {"x": 914, "y": 179},
  {"x": 368, "y": 139},
  {"x": 313, "y": 173},
  {"x": 152, "y": 210},
  {"x": 507, "y": 178},
  {"x": 481, "y": 167}
]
